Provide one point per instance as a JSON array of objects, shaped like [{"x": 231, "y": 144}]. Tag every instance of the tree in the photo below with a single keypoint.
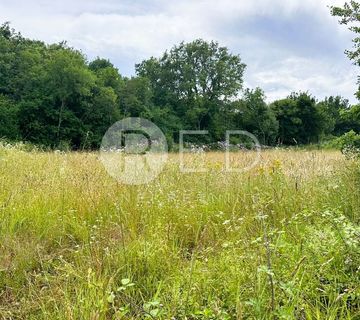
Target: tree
[
  {"x": 195, "y": 80},
  {"x": 350, "y": 119},
  {"x": 107, "y": 75},
  {"x": 349, "y": 14},
  {"x": 51, "y": 95},
  {"x": 330, "y": 111},
  {"x": 8, "y": 118},
  {"x": 299, "y": 119},
  {"x": 136, "y": 97},
  {"x": 253, "y": 114},
  {"x": 103, "y": 106},
  {"x": 137, "y": 100},
  {"x": 55, "y": 98},
  {"x": 101, "y": 112},
  {"x": 69, "y": 80}
]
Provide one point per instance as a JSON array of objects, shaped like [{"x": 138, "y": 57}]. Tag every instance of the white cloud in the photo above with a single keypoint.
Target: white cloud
[
  {"x": 127, "y": 31},
  {"x": 293, "y": 74}
]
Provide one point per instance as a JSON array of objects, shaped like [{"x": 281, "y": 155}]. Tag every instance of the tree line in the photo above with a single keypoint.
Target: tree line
[{"x": 50, "y": 95}]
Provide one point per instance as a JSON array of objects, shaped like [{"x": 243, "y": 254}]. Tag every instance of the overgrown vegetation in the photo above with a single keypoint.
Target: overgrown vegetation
[
  {"x": 281, "y": 241},
  {"x": 50, "y": 95}
]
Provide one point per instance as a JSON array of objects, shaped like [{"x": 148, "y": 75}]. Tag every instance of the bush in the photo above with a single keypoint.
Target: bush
[{"x": 349, "y": 144}]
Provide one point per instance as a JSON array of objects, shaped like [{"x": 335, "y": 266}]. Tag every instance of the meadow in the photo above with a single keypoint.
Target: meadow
[{"x": 281, "y": 241}]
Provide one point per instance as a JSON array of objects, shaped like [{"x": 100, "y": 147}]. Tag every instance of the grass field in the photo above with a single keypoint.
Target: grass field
[{"x": 281, "y": 241}]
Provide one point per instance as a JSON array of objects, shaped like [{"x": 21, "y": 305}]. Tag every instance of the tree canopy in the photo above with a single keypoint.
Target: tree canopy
[
  {"x": 349, "y": 15},
  {"x": 52, "y": 96}
]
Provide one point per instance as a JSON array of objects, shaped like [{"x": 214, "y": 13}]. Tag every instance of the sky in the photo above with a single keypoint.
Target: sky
[{"x": 287, "y": 45}]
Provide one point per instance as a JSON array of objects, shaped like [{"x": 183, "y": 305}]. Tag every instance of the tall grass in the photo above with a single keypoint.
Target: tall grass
[{"x": 278, "y": 242}]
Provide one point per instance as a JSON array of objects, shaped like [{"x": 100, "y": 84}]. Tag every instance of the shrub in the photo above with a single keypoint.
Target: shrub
[{"x": 349, "y": 144}]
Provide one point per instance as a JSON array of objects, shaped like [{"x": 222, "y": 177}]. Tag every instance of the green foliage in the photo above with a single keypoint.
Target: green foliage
[
  {"x": 278, "y": 242},
  {"x": 349, "y": 14},
  {"x": 50, "y": 95},
  {"x": 349, "y": 144},
  {"x": 349, "y": 139},
  {"x": 196, "y": 80},
  {"x": 299, "y": 119},
  {"x": 350, "y": 119},
  {"x": 58, "y": 99},
  {"x": 8, "y": 118},
  {"x": 252, "y": 114},
  {"x": 332, "y": 112}
]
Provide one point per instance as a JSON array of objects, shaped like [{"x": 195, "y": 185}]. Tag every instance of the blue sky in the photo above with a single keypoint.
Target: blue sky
[{"x": 287, "y": 45}]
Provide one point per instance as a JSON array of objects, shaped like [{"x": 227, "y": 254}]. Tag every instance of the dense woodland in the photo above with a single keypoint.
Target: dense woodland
[{"x": 52, "y": 96}]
